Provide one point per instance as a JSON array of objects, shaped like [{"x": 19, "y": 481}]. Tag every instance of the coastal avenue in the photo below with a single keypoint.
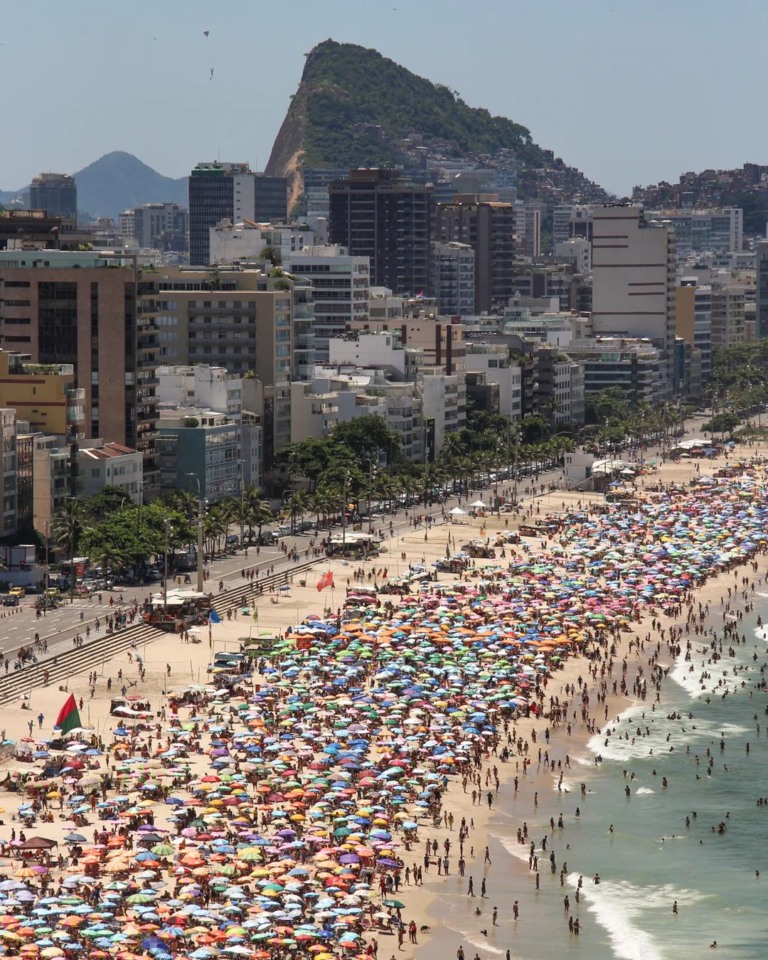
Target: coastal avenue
[{"x": 19, "y": 628}]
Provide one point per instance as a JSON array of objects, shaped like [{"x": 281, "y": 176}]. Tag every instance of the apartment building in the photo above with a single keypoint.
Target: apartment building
[{"x": 93, "y": 312}]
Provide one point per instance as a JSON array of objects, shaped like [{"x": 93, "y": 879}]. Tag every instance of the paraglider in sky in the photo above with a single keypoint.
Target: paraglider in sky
[
  {"x": 206, "y": 32},
  {"x": 211, "y": 76}
]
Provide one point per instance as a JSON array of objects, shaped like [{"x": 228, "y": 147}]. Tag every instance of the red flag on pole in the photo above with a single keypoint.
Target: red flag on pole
[
  {"x": 326, "y": 580},
  {"x": 69, "y": 717}
]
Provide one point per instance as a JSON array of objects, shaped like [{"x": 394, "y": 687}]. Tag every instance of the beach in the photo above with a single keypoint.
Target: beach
[{"x": 453, "y": 678}]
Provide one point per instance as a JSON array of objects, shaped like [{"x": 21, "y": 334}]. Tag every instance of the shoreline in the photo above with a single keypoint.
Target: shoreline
[{"x": 441, "y": 905}]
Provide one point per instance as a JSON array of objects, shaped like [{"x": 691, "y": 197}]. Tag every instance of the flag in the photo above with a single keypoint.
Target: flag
[
  {"x": 69, "y": 716},
  {"x": 214, "y": 617},
  {"x": 326, "y": 580}
]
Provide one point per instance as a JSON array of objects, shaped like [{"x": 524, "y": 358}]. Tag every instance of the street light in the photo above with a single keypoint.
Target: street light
[
  {"x": 166, "y": 525},
  {"x": 72, "y": 552},
  {"x": 242, "y": 504},
  {"x": 200, "y": 516}
]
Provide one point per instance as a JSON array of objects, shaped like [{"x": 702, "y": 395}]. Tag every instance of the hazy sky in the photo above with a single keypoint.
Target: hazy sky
[{"x": 629, "y": 91}]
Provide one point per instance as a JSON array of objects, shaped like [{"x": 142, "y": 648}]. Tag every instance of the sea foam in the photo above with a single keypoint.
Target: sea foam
[{"x": 619, "y": 907}]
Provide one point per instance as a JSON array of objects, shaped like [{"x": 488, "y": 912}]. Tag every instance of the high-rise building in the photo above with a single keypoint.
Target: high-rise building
[
  {"x": 340, "y": 290},
  {"x": 383, "y": 216},
  {"x": 235, "y": 318},
  {"x": 90, "y": 310},
  {"x": 56, "y": 193},
  {"x": 488, "y": 226},
  {"x": 233, "y": 191},
  {"x": 634, "y": 280},
  {"x": 453, "y": 278}
]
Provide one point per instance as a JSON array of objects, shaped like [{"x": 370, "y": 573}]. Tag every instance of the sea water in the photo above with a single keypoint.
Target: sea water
[{"x": 637, "y": 840}]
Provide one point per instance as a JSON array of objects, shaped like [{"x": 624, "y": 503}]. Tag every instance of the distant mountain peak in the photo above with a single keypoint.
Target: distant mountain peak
[
  {"x": 119, "y": 181},
  {"x": 116, "y": 182}
]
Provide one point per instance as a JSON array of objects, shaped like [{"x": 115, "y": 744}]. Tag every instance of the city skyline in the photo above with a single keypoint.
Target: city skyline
[{"x": 178, "y": 83}]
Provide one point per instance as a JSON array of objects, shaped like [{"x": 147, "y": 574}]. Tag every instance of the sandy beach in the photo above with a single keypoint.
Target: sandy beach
[{"x": 538, "y": 780}]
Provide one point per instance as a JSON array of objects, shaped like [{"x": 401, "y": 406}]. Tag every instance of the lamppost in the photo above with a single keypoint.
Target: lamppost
[
  {"x": 47, "y": 562},
  {"x": 138, "y": 508},
  {"x": 515, "y": 462},
  {"x": 71, "y": 551},
  {"x": 242, "y": 504},
  {"x": 200, "y": 517},
  {"x": 166, "y": 526}
]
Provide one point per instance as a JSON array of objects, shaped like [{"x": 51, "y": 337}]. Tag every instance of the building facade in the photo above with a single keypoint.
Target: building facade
[
  {"x": 634, "y": 279},
  {"x": 340, "y": 291},
  {"x": 453, "y": 278},
  {"x": 56, "y": 194},
  {"x": 94, "y": 312},
  {"x": 387, "y": 218},
  {"x": 488, "y": 227},
  {"x": 232, "y": 191}
]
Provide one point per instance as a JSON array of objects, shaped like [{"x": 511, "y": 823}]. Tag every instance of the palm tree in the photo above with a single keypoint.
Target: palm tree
[
  {"x": 297, "y": 506},
  {"x": 109, "y": 558},
  {"x": 68, "y": 529},
  {"x": 215, "y": 527},
  {"x": 69, "y": 526},
  {"x": 257, "y": 512}
]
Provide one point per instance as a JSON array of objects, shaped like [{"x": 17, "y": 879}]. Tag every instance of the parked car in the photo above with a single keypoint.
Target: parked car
[{"x": 11, "y": 600}]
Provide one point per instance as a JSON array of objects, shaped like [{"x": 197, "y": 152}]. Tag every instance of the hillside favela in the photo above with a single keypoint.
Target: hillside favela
[{"x": 383, "y": 546}]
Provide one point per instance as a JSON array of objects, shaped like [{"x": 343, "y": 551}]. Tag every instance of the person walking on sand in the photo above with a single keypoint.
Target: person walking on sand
[
  {"x": 482, "y": 887},
  {"x": 495, "y": 916},
  {"x": 471, "y": 887},
  {"x": 515, "y": 909}
]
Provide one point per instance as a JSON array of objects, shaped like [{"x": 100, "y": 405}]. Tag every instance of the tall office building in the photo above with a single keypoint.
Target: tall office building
[
  {"x": 634, "y": 279},
  {"x": 56, "y": 193},
  {"x": 232, "y": 191},
  {"x": 488, "y": 226},
  {"x": 380, "y": 215},
  {"x": 89, "y": 310}
]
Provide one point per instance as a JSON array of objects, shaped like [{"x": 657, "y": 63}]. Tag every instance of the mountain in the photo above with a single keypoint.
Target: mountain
[
  {"x": 115, "y": 182},
  {"x": 354, "y": 107},
  {"x": 119, "y": 181}
]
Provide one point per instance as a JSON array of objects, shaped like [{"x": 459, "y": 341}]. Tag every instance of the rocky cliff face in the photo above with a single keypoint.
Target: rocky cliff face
[{"x": 354, "y": 107}]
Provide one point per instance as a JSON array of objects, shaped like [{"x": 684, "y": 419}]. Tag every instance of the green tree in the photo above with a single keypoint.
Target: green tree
[{"x": 69, "y": 526}]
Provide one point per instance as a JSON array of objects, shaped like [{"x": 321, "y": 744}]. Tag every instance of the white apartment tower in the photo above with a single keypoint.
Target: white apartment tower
[{"x": 634, "y": 277}]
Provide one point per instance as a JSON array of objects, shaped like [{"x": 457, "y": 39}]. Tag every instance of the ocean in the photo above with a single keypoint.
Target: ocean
[{"x": 651, "y": 845}]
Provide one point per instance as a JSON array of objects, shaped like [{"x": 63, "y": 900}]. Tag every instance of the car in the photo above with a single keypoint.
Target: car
[
  {"x": 17, "y": 592},
  {"x": 11, "y": 600}
]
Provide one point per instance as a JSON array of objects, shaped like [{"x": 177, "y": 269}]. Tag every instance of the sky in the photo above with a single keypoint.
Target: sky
[{"x": 629, "y": 91}]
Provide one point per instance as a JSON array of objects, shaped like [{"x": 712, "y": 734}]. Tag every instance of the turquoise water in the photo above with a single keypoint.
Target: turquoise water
[{"x": 651, "y": 858}]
